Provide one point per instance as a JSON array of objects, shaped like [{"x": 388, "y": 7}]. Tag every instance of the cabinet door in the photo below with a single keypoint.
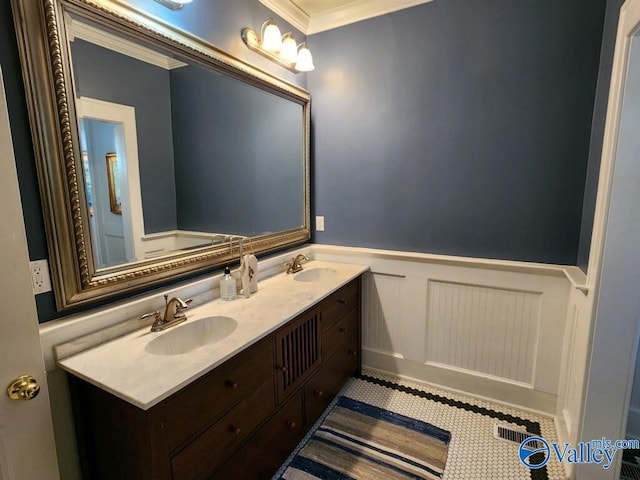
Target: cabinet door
[
  {"x": 327, "y": 382},
  {"x": 179, "y": 418},
  {"x": 267, "y": 450},
  {"x": 203, "y": 456},
  {"x": 297, "y": 352}
]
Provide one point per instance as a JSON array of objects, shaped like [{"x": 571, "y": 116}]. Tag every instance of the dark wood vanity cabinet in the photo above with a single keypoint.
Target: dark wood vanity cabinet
[
  {"x": 298, "y": 351},
  {"x": 340, "y": 326},
  {"x": 242, "y": 419},
  {"x": 316, "y": 383}
]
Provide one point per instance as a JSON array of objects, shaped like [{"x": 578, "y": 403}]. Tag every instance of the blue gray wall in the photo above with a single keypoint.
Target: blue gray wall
[
  {"x": 457, "y": 127},
  {"x": 453, "y": 122},
  {"x": 217, "y": 21},
  {"x": 242, "y": 173},
  {"x": 597, "y": 130},
  {"x": 106, "y": 75}
]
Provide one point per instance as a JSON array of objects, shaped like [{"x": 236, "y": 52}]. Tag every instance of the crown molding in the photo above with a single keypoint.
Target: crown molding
[
  {"x": 89, "y": 33},
  {"x": 290, "y": 12},
  {"x": 354, "y": 11}
]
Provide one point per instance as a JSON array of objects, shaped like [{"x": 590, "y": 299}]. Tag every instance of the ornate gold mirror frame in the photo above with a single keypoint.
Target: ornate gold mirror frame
[{"x": 47, "y": 76}]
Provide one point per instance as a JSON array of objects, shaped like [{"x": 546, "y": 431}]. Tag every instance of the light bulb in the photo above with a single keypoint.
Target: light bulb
[
  {"x": 289, "y": 52},
  {"x": 272, "y": 38},
  {"x": 305, "y": 60}
]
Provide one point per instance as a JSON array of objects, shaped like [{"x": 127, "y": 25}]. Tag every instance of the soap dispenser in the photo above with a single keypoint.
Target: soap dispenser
[{"x": 228, "y": 285}]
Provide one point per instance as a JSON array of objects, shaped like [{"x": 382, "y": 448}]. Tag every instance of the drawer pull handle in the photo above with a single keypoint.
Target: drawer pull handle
[
  {"x": 318, "y": 393},
  {"x": 231, "y": 384},
  {"x": 283, "y": 369},
  {"x": 343, "y": 302},
  {"x": 291, "y": 424},
  {"x": 353, "y": 353},
  {"x": 344, "y": 330},
  {"x": 235, "y": 430}
]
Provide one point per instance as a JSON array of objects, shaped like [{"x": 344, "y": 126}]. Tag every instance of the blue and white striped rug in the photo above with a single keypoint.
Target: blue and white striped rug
[{"x": 360, "y": 441}]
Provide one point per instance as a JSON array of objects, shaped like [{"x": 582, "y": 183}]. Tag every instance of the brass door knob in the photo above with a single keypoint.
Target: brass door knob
[{"x": 24, "y": 387}]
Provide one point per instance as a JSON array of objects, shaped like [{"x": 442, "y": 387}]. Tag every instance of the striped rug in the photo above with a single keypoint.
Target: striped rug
[{"x": 361, "y": 441}]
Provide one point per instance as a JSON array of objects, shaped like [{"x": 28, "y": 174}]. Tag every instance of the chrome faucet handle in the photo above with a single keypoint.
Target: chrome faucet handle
[
  {"x": 155, "y": 314},
  {"x": 295, "y": 266},
  {"x": 175, "y": 308},
  {"x": 173, "y": 313},
  {"x": 158, "y": 322},
  {"x": 182, "y": 305}
]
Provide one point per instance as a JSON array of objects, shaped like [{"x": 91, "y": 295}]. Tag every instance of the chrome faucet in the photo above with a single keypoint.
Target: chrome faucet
[
  {"x": 173, "y": 313},
  {"x": 294, "y": 266}
]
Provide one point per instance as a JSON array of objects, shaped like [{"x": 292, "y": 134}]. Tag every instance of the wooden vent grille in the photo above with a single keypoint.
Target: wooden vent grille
[{"x": 299, "y": 351}]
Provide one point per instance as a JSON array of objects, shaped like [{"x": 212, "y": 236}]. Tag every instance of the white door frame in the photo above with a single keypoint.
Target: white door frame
[
  {"x": 125, "y": 116},
  {"x": 613, "y": 337},
  {"x": 27, "y": 446}
]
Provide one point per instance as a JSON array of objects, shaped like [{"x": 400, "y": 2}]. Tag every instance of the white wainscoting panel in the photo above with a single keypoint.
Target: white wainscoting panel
[
  {"x": 568, "y": 389},
  {"x": 575, "y": 358},
  {"x": 377, "y": 291},
  {"x": 482, "y": 329},
  {"x": 489, "y": 328},
  {"x": 391, "y": 303}
]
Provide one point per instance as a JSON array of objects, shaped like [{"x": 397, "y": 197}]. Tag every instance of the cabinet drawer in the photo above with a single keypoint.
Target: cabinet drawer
[
  {"x": 206, "y": 453},
  {"x": 330, "y": 377},
  {"x": 339, "y": 332},
  {"x": 339, "y": 303},
  {"x": 263, "y": 454},
  {"x": 184, "y": 414}
]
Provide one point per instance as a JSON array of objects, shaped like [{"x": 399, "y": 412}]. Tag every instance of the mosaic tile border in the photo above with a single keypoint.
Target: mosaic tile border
[
  {"x": 530, "y": 425},
  {"x": 468, "y": 463}
]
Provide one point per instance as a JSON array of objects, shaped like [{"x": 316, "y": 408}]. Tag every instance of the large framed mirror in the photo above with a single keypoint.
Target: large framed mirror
[{"x": 158, "y": 154}]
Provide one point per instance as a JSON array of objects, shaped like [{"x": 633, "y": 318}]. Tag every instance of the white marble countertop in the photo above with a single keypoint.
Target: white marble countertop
[{"x": 123, "y": 367}]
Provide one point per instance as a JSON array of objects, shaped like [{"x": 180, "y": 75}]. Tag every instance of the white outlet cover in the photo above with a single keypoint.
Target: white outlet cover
[
  {"x": 40, "y": 278},
  {"x": 319, "y": 223}
]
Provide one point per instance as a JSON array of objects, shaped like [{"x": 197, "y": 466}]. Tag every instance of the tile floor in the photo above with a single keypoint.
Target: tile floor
[
  {"x": 474, "y": 453},
  {"x": 630, "y": 465}
]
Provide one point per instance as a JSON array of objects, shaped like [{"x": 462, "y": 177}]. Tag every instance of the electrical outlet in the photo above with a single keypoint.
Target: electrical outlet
[
  {"x": 319, "y": 223},
  {"x": 40, "y": 279}
]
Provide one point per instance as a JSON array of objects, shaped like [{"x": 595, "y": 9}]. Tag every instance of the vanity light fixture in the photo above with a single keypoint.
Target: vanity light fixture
[
  {"x": 289, "y": 50},
  {"x": 305, "y": 60},
  {"x": 173, "y": 4},
  {"x": 279, "y": 48},
  {"x": 271, "y": 36}
]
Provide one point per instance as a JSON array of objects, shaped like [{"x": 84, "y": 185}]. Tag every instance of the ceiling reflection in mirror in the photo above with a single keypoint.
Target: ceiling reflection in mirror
[{"x": 176, "y": 155}]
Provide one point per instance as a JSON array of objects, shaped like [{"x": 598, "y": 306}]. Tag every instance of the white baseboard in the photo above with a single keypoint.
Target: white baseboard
[{"x": 503, "y": 393}]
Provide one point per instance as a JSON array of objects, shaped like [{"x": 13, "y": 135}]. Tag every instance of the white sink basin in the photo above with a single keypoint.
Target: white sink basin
[
  {"x": 192, "y": 335},
  {"x": 315, "y": 275}
]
